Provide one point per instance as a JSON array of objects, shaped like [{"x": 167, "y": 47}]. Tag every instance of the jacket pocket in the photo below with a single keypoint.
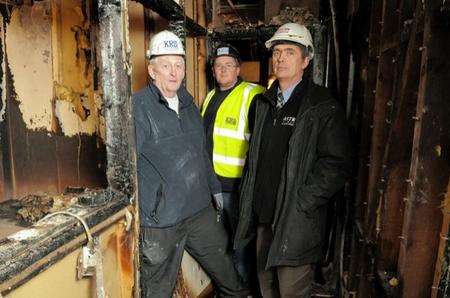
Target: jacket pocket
[
  {"x": 304, "y": 234},
  {"x": 159, "y": 197}
]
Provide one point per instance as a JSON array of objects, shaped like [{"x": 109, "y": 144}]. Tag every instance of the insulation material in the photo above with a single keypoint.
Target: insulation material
[
  {"x": 41, "y": 74},
  {"x": 77, "y": 112},
  {"x": 32, "y": 69}
]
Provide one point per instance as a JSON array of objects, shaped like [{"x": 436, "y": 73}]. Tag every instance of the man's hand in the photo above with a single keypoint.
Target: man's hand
[{"x": 218, "y": 201}]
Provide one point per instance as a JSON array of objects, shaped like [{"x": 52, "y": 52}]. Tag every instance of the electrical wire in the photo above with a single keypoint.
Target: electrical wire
[{"x": 79, "y": 218}]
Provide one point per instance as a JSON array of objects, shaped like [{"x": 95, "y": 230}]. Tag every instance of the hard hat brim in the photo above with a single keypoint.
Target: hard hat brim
[{"x": 279, "y": 40}]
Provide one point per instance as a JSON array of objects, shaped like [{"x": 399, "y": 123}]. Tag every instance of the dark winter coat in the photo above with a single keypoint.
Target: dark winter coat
[
  {"x": 316, "y": 166},
  {"x": 175, "y": 177}
]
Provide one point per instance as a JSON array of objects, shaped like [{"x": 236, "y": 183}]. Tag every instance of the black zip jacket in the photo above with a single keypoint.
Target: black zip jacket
[
  {"x": 175, "y": 177},
  {"x": 316, "y": 166}
]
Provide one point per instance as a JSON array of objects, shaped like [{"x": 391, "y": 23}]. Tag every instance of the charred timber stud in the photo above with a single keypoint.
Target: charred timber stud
[
  {"x": 109, "y": 2},
  {"x": 116, "y": 95}
]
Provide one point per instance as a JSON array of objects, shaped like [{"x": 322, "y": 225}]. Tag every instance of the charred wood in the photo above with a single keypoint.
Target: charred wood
[
  {"x": 24, "y": 256},
  {"x": 116, "y": 83},
  {"x": 173, "y": 12}
]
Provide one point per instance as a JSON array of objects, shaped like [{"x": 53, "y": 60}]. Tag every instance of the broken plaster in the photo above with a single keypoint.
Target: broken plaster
[
  {"x": 29, "y": 55},
  {"x": 28, "y": 42}
]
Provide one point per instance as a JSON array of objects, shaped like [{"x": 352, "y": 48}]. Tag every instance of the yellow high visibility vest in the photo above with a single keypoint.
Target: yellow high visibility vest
[{"x": 231, "y": 134}]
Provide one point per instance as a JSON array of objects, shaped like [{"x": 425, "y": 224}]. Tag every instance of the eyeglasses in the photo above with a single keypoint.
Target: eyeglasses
[{"x": 227, "y": 66}]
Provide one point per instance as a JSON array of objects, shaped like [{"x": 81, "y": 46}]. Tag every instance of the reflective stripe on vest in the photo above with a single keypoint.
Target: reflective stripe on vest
[{"x": 231, "y": 135}]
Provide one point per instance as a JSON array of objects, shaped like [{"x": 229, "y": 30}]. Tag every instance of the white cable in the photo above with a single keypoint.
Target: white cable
[{"x": 80, "y": 219}]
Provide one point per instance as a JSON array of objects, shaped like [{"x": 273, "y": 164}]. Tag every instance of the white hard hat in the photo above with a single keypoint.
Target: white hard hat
[
  {"x": 165, "y": 43},
  {"x": 295, "y": 33}
]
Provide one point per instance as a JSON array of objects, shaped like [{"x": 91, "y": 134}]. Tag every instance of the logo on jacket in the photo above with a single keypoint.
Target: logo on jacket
[
  {"x": 288, "y": 121},
  {"x": 231, "y": 120}
]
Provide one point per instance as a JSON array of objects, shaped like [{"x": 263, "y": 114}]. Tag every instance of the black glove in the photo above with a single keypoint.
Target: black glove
[{"x": 218, "y": 201}]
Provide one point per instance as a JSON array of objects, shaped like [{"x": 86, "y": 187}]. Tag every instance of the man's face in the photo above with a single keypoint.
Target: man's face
[
  {"x": 288, "y": 62},
  {"x": 226, "y": 71},
  {"x": 167, "y": 73}
]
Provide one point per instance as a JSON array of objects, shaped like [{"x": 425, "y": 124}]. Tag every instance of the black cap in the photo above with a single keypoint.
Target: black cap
[{"x": 226, "y": 50}]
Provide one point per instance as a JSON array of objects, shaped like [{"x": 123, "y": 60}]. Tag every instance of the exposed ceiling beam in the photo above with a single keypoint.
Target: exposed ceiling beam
[
  {"x": 234, "y": 33},
  {"x": 171, "y": 11},
  {"x": 11, "y": 2}
]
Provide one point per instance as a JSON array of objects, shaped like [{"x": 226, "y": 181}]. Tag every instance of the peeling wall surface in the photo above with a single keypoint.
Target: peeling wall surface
[
  {"x": 74, "y": 69},
  {"x": 53, "y": 133},
  {"x": 34, "y": 72},
  {"x": 28, "y": 48}
]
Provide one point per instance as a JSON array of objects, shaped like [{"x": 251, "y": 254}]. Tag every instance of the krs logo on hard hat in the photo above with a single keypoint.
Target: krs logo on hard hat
[
  {"x": 165, "y": 43},
  {"x": 170, "y": 43}
]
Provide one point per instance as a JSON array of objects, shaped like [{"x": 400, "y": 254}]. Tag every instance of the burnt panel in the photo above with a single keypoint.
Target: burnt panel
[{"x": 31, "y": 162}]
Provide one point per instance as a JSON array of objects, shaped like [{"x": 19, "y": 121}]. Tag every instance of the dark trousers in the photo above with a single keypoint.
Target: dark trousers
[
  {"x": 243, "y": 257},
  {"x": 281, "y": 281},
  {"x": 204, "y": 238}
]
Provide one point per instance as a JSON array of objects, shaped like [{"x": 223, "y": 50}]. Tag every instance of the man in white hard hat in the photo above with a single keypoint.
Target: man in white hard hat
[
  {"x": 225, "y": 120},
  {"x": 176, "y": 181},
  {"x": 299, "y": 158}
]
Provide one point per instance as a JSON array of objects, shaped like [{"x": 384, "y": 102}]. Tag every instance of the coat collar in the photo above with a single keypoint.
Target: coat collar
[
  {"x": 304, "y": 86},
  {"x": 183, "y": 95}
]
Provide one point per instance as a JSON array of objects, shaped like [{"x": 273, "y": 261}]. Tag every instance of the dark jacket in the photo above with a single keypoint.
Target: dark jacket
[
  {"x": 316, "y": 166},
  {"x": 175, "y": 177}
]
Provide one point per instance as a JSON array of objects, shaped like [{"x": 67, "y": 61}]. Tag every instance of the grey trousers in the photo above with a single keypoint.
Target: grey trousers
[
  {"x": 204, "y": 238},
  {"x": 243, "y": 257},
  {"x": 281, "y": 281}
]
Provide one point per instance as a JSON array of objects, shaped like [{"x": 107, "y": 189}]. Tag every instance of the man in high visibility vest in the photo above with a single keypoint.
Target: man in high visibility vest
[{"x": 225, "y": 113}]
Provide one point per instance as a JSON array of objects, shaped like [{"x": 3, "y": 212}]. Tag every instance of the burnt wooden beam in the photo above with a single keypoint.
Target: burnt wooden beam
[
  {"x": 368, "y": 103},
  {"x": 177, "y": 27},
  {"x": 337, "y": 51},
  {"x": 396, "y": 162},
  {"x": 430, "y": 166},
  {"x": 383, "y": 102},
  {"x": 262, "y": 33},
  {"x": 359, "y": 264},
  {"x": 117, "y": 108},
  {"x": 441, "y": 284},
  {"x": 171, "y": 11},
  {"x": 116, "y": 84},
  {"x": 202, "y": 55},
  {"x": 12, "y": 2}
]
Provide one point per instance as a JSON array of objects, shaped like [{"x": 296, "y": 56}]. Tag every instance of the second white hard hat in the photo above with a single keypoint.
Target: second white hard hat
[
  {"x": 293, "y": 32},
  {"x": 165, "y": 43}
]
